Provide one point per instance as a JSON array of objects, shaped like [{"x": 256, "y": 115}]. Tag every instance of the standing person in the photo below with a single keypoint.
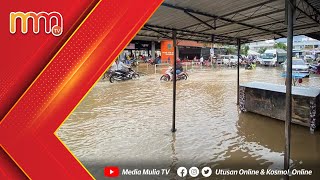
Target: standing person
[
  {"x": 159, "y": 60},
  {"x": 194, "y": 60},
  {"x": 201, "y": 60},
  {"x": 155, "y": 61},
  {"x": 127, "y": 60}
]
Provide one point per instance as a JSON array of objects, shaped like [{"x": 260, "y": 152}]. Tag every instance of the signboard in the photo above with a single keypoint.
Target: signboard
[{"x": 167, "y": 51}]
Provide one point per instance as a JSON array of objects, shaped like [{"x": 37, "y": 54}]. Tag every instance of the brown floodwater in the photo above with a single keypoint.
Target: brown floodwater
[{"x": 128, "y": 124}]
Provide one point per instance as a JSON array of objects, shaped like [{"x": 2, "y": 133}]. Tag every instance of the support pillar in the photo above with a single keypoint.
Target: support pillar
[
  {"x": 290, "y": 14},
  {"x": 174, "y": 37},
  {"x": 238, "y": 71},
  {"x": 153, "y": 50},
  {"x": 212, "y": 47}
]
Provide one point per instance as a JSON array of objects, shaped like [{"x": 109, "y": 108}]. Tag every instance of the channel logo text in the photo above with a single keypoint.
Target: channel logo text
[{"x": 55, "y": 29}]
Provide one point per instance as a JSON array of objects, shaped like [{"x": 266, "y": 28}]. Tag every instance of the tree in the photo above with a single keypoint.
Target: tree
[
  {"x": 231, "y": 50},
  {"x": 280, "y": 45},
  {"x": 262, "y": 50},
  {"x": 219, "y": 46},
  {"x": 244, "y": 50}
]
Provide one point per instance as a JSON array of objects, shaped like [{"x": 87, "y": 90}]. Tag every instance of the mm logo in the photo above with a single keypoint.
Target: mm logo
[{"x": 55, "y": 29}]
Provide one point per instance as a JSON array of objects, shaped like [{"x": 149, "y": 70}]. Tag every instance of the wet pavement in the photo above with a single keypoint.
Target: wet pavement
[{"x": 128, "y": 124}]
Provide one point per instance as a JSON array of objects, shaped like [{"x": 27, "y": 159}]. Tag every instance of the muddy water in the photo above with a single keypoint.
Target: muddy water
[{"x": 128, "y": 124}]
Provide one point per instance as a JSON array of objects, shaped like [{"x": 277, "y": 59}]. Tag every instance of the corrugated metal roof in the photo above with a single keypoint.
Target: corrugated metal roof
[
  {"x": 249, "y": 20},
  {"x": 315, "y": 3}
]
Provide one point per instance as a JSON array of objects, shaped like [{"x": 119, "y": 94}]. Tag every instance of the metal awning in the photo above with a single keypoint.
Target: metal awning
[
  {"x": 314, "y": 35},
  {"x": 228, "y": 20}
]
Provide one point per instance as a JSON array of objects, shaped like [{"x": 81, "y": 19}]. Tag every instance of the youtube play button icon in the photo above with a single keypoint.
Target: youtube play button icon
[{"x": 111, "y": 171}]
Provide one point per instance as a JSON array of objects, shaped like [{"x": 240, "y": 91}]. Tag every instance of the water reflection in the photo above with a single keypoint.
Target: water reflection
[
  {"x": 128, "y": 124},
  {"x": 173, "y": 166}
]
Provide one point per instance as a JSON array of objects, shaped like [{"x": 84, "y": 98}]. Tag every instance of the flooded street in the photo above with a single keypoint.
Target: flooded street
[{"x": 128, "y": 124}]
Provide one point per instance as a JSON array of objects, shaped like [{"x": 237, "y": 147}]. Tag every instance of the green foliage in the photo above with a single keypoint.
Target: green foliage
[
  {"x": 244, "y": 50},
  {"x": 231, "y": 50},
  {"x": 280, "y": 45},
  {"x": 262, "y": 50}
]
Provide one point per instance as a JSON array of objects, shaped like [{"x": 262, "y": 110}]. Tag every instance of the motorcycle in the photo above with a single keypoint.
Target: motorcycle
[
  {"x": 250, "y": 66},
  {"x": 151, "y": 61},
  {"x": 107, "y": 74},
  {"x": 120, "y": 76},
  {"x": 134, "y": 63},
  {"x": 169, "y": 73}
]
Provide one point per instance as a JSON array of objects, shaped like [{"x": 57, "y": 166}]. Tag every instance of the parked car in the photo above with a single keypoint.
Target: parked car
[
  {"x": 315, "y": 69},
  {"x": 259, "y": 60},
  {"x": 229, "y": 59},
  {"x": 310, "y": 57},
  {"x": 233, "y": 59},
  {"x": 298, "y": 66},
  {"x": 219, "y": 60}
]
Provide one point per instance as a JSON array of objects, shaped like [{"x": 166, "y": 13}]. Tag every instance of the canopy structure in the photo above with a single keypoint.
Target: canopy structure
[
  {"x": 229, "y": 20},
  {"x": 314, "y": 35}
]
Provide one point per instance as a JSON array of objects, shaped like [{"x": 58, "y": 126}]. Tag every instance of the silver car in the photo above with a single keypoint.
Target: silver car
[{"x": 298, "y": 66}]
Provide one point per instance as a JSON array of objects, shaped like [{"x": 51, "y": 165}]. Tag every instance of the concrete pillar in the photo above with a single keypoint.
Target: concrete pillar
[
  {"x": 153, "y": 49},
  {"x": 290, "y": 14},
  {"x": 238, "y": 71},
  {"x": 177, "y": 51}
]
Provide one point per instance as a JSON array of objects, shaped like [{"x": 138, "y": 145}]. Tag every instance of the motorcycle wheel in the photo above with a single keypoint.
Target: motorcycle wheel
[
  {"x": 184, "y": 77},
  {"x": 135, "y": 75},
  {"x": 111, "y": 79},
  {"x": 164, "y": 78},
  {"x": 106, "y": 75}
]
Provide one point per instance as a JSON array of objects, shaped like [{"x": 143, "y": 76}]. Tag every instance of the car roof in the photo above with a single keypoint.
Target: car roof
[{"x": 295, "y": 59}]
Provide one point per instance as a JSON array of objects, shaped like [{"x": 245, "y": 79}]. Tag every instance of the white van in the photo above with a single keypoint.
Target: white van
[
  {"x": 229, "y": 59},
  {"x": 273, "y": 57}
]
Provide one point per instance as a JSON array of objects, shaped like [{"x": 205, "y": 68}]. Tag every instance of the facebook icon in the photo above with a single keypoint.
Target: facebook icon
[{"x": 182, "y": 171}]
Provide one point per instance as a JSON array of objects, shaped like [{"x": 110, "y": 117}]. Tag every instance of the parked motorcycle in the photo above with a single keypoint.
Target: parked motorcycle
[
  {"x": 151, "y": 61},
  {"x": 120, "y": 76},
  {"x": 169, "y": 75},
  {"x": 134, "y": 63}
]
